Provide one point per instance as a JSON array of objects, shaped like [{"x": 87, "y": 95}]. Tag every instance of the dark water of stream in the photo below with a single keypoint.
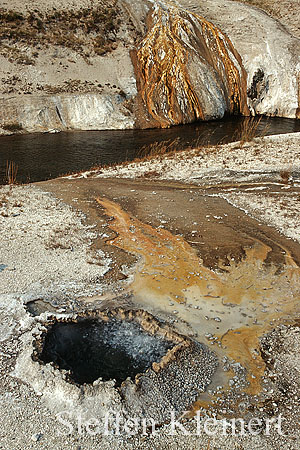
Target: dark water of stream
[{"x": 44, "y": 156}]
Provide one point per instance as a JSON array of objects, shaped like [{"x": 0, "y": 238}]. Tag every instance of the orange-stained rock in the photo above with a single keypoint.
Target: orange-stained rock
[{"x": 187, "y": 70}]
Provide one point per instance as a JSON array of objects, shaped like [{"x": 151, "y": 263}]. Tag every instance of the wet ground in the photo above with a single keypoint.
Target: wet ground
[{"x": 190, "y": 258}]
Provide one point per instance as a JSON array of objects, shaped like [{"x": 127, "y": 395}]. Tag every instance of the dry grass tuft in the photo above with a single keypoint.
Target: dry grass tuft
[
  {"x": 248, "y": 129},
  {"x": 14, "y": 127},
  {"x": 11, "y": 172},
  {"x": 158, "y": 148},
  {"x": 285, "y": 175}
]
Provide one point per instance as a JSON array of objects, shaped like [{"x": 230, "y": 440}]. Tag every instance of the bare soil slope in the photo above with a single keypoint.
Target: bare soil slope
[{"x": 286, "y": 11}]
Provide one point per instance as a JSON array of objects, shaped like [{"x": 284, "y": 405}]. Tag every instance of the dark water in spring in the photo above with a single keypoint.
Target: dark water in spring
[
  {"x": 44, "y": 156},
  {"x": 90, "y": 349}
]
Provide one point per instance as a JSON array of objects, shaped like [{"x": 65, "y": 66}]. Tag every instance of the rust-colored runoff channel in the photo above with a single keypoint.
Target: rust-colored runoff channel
[{"x": 235, "y": 306}]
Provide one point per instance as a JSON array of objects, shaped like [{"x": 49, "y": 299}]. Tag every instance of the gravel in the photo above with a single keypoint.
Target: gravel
[{"x": 46, "y": 248}]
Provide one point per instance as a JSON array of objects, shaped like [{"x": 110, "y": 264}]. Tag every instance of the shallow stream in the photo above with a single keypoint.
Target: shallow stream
[{"x": 43, "y": 156}]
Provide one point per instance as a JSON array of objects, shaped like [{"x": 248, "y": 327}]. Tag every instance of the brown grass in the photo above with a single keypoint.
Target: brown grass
[
  {"x": 15, "y": 55},
  {"x": 150, "y": 174},
  {"x": 11, "y": 172},
  {"x": 86, "y": 31},
  {"x": 160, "y": 151},
  {"x": 14, "y": 127},
  {"x": 285, "y": 175},
  {"x": 158, "y": 148},
  {"x": 248, "y": 129}
]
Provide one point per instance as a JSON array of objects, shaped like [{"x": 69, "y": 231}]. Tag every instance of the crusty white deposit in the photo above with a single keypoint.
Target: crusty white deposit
[{"x": 45, "y": 247}]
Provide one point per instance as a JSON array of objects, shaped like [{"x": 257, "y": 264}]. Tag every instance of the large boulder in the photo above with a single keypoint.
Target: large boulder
[{"x": 270, "y": 54}]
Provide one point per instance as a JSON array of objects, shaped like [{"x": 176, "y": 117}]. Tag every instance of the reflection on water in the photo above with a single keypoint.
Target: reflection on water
[{"x": 43, "y": 156}]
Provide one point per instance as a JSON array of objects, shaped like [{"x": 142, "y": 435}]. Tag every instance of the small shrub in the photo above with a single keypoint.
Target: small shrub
[
  {"x": 15, "y": 55},
  {"x": 14, "y": 127},
  {"x": 285, "y": 175},
  {"x": 10, "y": 16},
  {"x": 150, "y": 174}
]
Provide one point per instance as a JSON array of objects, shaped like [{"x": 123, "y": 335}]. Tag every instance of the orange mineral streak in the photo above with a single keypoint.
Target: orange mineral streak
[
  {"x": 243, "y": 347},
  {"x": 222, "y": 51},
  {"x": 162, "y": 63},
  {"x": 168, "y": 261},
  {"x": 235, "y": 305}
]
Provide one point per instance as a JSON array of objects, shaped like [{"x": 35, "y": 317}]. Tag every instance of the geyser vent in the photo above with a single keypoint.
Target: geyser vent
[{"x": 89, "y": 349}]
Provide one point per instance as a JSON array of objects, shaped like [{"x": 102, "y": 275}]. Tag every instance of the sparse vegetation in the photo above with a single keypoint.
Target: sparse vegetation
[
  {"x": 72, "y": 86},
  {"x": 11, "y": 172},
  {"x": 285, "y": 175},
  {"x": 285, "y": 11},
  {"x": 3, "y": 200},
  {"x": 84, "y": 30},
  {"x": 13, "y": 127},
  {"x": 248, "y": 129},
  {"x": 15, "y": 55},
  {"x": 158, "y": 148}
]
